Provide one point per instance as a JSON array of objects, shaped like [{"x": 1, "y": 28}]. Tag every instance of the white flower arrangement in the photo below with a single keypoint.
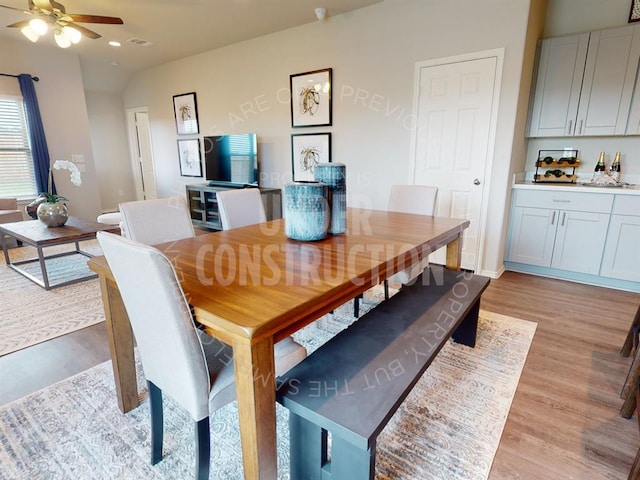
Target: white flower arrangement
[{"x": 76, "y": 179}]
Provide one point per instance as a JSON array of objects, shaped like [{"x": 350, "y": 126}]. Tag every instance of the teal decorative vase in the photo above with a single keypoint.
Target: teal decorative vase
[
  {"x": 306, "y": 211},
  {"x": 53, "y": 214},
  {"x": 335, "y": 176}
]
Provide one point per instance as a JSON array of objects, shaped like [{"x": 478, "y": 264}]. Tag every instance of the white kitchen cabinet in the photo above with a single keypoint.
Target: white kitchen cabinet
[
  {"x": 557, "y": 88},
  {"x": 561, "y": 230},
  {"x": 621, "y": 258},
  {"x": 579, "y": 243},
  {"x": 585, "y": 83},
  {"x": 533, "y": 233}
]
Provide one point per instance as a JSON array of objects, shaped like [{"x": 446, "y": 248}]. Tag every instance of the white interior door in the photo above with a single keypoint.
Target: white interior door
[
  {"x": 141, "y": 153},
  {"x": 456, "y": 109}
]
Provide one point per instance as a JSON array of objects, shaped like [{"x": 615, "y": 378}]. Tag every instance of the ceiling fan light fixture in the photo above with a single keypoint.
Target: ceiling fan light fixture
[
  {"x": 72, "y": 34},
  {"x": 38, "y": 26},
  {"x": 29, "y": 33},
  {"x": 61, "y": 39}
]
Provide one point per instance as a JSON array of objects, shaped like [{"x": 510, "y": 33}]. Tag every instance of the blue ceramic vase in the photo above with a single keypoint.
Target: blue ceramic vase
[
  {"x": 335, "y": 176},
  {"x": 306, "y": 211}
]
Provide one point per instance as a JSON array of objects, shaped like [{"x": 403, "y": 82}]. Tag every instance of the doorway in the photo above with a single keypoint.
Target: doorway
[
  {"x": 456, "y": 105},
  {"x": 141, "y": 153}
]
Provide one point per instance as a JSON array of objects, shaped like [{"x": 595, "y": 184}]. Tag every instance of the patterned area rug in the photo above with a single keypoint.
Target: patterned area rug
[
  {"x": 29, "y": 314},
  {"x": 448, "y": 428}
]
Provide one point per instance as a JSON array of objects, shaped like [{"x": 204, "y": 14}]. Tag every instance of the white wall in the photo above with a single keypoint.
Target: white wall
[
  {"x": 110, "y": 149},
  {"x": 64, "y": 114},
  {"x": 373, "y": 52},
  {"x": 573, "y": 16}
]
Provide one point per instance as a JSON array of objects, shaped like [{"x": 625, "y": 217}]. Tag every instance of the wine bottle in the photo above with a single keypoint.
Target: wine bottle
[
  {"x": 614, "y": 171},
  {"x": 600, "y": 167}
]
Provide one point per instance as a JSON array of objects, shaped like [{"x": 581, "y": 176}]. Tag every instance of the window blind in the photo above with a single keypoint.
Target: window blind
[{"x": 17, "y": 178}]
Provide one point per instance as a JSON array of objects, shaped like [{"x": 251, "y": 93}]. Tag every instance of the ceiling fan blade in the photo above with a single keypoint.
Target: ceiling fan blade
[
  {"x": 17, "y": 9},
  {"x": 85, "y": 31},
  {"x": 80, "y": 17},
  {"x": 21, "y": 24}
]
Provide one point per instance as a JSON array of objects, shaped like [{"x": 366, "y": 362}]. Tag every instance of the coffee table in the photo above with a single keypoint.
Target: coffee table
[{"x": 38, "y": 235}]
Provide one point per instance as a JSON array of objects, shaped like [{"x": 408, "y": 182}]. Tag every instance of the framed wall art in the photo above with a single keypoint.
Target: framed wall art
[
  {"x": 308, "y": 150},
  {"x": 634, "y": 14},
  {"x": 186, "y": 112},
  {"x": 189, "y": 157},
  {"x": 311, "y": 98}
]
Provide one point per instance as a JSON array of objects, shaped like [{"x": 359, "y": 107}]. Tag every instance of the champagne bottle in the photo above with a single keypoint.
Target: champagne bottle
[
  {"x": 600, "y": 167},
  {"x": 614, "y": 171}
]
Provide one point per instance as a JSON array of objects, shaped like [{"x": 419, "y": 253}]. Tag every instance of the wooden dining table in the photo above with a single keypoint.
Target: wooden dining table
[{"x": 252, "y": 286}]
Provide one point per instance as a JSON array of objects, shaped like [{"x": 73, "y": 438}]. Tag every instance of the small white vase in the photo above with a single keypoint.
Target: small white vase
[{"x": 53, "y": 214}]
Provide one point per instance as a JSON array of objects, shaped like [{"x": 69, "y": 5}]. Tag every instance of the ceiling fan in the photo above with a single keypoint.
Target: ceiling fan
[{"x": 49, "y": 13}]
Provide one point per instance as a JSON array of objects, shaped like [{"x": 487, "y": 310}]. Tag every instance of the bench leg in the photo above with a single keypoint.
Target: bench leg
[
  {"x": 467, "y": 330},
  {"x": 350, "y": 462},
  {"x": 309, "y": 454},
  {"x": 308, "y": 448}
]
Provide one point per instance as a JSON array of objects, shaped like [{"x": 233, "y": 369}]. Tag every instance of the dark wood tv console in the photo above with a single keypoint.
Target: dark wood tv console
[{"x": 203, "y": 204}]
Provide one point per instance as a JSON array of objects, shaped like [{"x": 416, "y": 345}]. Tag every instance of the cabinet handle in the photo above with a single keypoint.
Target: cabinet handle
[
  {"x": 569, "y": 129},
  {"x": 580, "y": 128},
  {"x": 564, "y": 215},
  {"x": 555, "y": 200},
  {"x": 553, "y": 218}
]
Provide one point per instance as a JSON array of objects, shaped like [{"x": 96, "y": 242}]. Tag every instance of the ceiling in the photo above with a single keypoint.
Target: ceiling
[{"x": 176, "y": 29}]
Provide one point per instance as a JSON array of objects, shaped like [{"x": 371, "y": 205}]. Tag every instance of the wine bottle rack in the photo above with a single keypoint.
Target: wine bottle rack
[{"x": 556, "y": 166}]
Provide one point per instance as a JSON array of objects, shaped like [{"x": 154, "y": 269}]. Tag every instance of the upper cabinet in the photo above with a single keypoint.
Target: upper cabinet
[{"x": 585, "y": 83}]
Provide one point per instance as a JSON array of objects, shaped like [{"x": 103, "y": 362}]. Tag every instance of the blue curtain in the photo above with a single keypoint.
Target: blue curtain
[{"x": 39, "y": 150}]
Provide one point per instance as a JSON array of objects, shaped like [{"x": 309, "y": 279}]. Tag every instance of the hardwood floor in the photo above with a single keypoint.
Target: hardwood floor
[{"x": 564, "y": 422}]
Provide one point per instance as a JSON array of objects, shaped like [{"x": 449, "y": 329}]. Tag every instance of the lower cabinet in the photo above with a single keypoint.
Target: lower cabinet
[
  {"x": 621, "y": 259},
  {"x": 561, "y": 239},
  {"x": 561, "y": 230},
  {"x": 579, "y": 236},
  {"x": 580, "y": 241},
  {"x": 203, "y": 204}
]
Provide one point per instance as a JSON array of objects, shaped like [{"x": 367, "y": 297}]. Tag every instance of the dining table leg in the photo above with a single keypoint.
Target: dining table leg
[
  {"x": 121, "y": 345},
  {"x": 256, "y": 393},
  {"x": 454, "y": 253}
]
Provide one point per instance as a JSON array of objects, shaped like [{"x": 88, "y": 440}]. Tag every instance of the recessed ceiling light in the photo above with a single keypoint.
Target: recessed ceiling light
[{"x": 114, "y": 43}]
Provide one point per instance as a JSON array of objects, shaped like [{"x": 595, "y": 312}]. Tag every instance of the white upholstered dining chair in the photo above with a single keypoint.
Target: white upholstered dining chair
[
  {"x": 156, "y": 221},
  {"x": 241, "y": 207},
  {"x": 179, "y": 360},
  {"x": 416, "y": 199},
  {"x": 419, "y": 200}
]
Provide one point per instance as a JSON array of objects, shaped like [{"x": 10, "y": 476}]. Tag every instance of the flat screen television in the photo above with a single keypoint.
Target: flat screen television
[{"x": 231, "y": 159}]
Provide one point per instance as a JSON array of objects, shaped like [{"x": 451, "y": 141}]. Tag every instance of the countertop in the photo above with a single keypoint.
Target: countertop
[{"x": 626, "y": 189}]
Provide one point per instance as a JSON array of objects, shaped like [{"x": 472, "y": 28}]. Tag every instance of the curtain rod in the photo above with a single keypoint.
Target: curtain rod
[{"x": 35, "y": 79}]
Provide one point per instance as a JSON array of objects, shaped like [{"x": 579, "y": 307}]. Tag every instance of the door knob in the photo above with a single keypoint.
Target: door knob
[{"x": 476, "y": 182}]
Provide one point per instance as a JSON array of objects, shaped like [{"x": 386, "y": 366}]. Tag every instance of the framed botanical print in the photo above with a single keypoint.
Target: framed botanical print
[
  {"x": 634, "y": 14},
  {"x": 189, "y": 157},
  {"x": 185, "y": 109},
  {"x": 311, "y": 98},
  {"x": 308, "y": 150}
]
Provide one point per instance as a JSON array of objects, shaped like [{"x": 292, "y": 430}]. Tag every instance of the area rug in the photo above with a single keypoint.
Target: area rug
[
  {"x": 29, "y": 314},
  {"x": 448, "y": 428}
]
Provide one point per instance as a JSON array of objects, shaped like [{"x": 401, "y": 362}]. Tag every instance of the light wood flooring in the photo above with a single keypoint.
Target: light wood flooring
[{"x": 564, "y": 421}]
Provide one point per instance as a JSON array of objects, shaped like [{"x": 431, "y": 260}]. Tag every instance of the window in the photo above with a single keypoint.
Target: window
[{"x": 17, "y": 178}]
